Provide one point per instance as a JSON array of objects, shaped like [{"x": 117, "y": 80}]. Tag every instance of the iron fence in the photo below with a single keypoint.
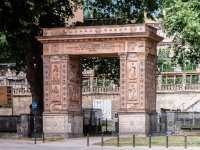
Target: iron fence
[{"x": 9, "y": 123}]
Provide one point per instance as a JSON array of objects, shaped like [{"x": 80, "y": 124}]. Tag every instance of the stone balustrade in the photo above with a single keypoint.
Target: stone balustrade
[
  {"x": 102, "y": 89},
  {"x": 178, "y": 87},
  {"x": 99, "y": 89}
]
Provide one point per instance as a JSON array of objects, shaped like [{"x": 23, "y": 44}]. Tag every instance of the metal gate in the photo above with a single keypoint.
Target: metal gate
[{"x": 158, "y": 124}]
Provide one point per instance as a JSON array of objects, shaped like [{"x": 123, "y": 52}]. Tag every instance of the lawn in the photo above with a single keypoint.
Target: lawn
[{"x": 173, "y": 141}]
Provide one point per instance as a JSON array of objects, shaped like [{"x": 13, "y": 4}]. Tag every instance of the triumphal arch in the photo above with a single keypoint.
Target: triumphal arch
[{"x": 63, "y": 50}]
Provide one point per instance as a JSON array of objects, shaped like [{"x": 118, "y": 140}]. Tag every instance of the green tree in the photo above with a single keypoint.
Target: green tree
[
  {"x": 182, "y": 22},
  {"x": 20, "y": 22},
  {"x": 115, "y": 12}
]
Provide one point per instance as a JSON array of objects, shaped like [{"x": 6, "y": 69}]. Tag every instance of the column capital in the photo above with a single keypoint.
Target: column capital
[{"x": 122, "y": 55}]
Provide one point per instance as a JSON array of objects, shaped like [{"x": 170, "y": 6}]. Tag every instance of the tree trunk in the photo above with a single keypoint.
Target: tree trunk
[{"x": 34, "y": 64}]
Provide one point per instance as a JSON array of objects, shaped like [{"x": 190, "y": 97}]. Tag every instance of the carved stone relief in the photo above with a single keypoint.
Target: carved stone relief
[
  {"x": 142, "y": 83},
  {"x": 55, "y": 93},
  {"x": 98, "y": 30},
  {"x": 132, "y": 70},
  {"x": 55, "y": 124},
  {"x": 55, "y": 48},
  {"x": 132, "y": 56},
  {"x": 55, "y": 72},
  {"x": 64, "y": 97},
  {"x": 74, "y": 72},
  {"x": 74, "y": 93},
  {"x": 64, "y": 57},
  {"x": 131, "y": 47},
  {"x": 132, "y": 91},
  {"x": 55, "y": 58},
  {"x": 46, "y": 58},
  {"x": 123, "y": 79},
  {"x": 74, "y": 108},
  {"x": 45, "y": 48},
  {"x": 132, "y": 123},
  {"x": 142, "y": 55},
  {"x": 46, "y": 86}
]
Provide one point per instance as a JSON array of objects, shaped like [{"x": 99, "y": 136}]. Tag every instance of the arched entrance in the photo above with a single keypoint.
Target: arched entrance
[{"x": 63, "y": 49}]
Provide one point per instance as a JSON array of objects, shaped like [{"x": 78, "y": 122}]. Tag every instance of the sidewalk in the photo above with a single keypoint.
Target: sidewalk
[{"x": 73, "y": 144}]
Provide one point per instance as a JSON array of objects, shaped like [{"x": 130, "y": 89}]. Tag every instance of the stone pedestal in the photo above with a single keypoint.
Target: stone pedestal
[
  {"x": 62, "y": 125},
  {"x": 134, "y": 123}
]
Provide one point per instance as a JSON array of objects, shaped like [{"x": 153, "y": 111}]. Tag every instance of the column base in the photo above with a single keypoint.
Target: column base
[
  {"x": 134, "y": 123},
  {"x": 62, "y": 125}
]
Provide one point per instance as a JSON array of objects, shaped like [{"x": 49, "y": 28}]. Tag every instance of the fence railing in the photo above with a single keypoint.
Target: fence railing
[
  {"x": 178, "y": 87},
  {"x": 9, "y": 123}
]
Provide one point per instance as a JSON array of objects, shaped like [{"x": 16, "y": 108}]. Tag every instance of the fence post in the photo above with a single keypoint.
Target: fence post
[
  {"x": 166, "y": 141},
  {"x": 99, "y": 125},
  {"x": 133, "y": 140},
  {"x": 102, "y": 140},
  {"x": 118, "y": 139},
  {"x": 106, "y": 125},
  {"x": 87, "y": 139},
  {"x": 90, "y": 125},
  {"x": 185, "y": 141},
  {"x": 43, "y": 137},
  {"x": 149, "y": 141},
  {"x": 34, "y": 130}
]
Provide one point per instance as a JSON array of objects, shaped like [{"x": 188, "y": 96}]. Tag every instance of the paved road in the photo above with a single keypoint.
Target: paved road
[{"x": 72, "y": 144}]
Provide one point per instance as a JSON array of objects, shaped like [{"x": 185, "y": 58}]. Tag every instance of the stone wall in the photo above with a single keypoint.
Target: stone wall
[
  {"x": 21, "y": 105},
  {"x": 88, "y": 98}
]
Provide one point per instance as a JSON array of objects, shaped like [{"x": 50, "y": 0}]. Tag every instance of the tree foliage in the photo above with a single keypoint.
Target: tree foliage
[
  {"x": 182, "y": 23},
  {"x": 20, "y": 22},
  {"x": 115, "y": 12}
]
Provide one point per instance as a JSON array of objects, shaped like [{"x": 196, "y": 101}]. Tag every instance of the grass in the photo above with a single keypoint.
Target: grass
[{"x": 173, "y": 141}]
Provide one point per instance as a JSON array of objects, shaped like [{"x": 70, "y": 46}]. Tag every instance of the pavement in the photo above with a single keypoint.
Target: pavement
[{"x": 74, "y": 144}]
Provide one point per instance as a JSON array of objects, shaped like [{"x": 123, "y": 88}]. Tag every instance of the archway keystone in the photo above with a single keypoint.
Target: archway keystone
[{"x": 63, "y": 49}]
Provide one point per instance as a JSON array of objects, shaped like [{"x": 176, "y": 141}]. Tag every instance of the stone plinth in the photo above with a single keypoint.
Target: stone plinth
[
  {"x": 63, "y": 49},
  {"x": 62, "y": 125},
  {"x": 137, "y": 123}
]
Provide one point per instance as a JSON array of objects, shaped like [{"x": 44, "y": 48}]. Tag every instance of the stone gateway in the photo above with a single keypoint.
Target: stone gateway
[{"x": 63, "y": 49}]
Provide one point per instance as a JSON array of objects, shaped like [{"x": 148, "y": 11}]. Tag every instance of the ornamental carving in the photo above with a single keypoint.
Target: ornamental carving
[
  {"x": 142, "y": 55},
  {"x": 123, "y": 67},
  {"x": 55, "y": 93},
  {"x": 64, "y": 97},
  {"x": 74, "y": 108},
  {"x": 55, "y": 48},
  {"x": 98, "y": 30},
  {"x": 46, "y": 47},
  {"x": 56, "y": 107},
  {"x": 132, "y": 106},
  {"x": 132, "y": 91},
  {"x": 141, "y": 44},
  {"x": 46, "y": 86},
  {"x": 131, "y": 47},
  {"x": 74, "y": 93},
  {"x": 132, "y": 70},
  {"x": 133, "y": 29},
  {"x": 74, "y": 72},
  {"x": 55, "y": 73},
  {"x": 64, "y": 57},
  {"x": 122, "y": 55},
  {"x": 55, "y": 58},
  {"x": 64, "y": 73},
  {"x": 132, "y": 55},
  {"x": 46, "y": 58},
  {"x": 142, "y": 87}
]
